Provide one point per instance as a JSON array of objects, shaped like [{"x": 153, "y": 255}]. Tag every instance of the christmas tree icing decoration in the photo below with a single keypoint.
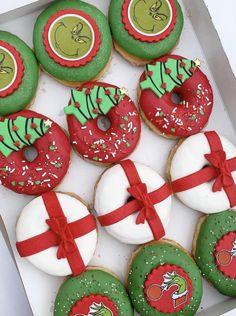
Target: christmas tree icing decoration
[
  {"x": 90, "y": 103},
  {"x": 21, "y": 132},
  {"x": 163, "y": 77}
]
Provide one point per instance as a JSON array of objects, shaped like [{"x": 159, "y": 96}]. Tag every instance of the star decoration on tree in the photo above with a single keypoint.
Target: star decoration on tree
[
  {"x": 48, "y": 123},
  {"x": 123, "y": 90},
  {"x": 197, "y": 62}
]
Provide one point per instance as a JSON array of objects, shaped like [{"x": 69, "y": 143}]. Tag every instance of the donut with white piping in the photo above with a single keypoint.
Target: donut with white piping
[
  {"x": 189, "y": 158},
  {"x": 33, "y": 230},
  {"x": 115, "y": 180}
]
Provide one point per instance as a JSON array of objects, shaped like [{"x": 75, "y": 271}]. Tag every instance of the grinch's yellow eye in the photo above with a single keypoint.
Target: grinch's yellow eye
[
  {"x": 2, "y": 71},
  {"x": 153, "y": 8},
  {"x": 75, "y": 30}
]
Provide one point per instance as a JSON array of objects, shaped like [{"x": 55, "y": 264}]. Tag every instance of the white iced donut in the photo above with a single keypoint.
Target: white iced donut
[
  {"x": 111, "y": 193},
  {"x": 189, "y": 158},
  {"x": 32, "y": 222}
]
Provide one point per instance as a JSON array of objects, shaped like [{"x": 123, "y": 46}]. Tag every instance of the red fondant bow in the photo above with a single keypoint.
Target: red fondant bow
[
  {"x": 66, "y": 241},
  {"x": 224, "y": 178},
  {"x": 220, "y": 169},
  {"x": 139, "y": 192},
  {"x": 142, "y": 200},
  {"x": 61, "y": 234}
]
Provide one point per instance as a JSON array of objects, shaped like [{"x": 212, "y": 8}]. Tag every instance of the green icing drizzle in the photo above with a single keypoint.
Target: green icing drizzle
[
  {"x": 13, "y": 139},
  {"x": 99, "y": 101},
  {"x": 160, "y": 82},
  {"x": 214, "y": 227}
]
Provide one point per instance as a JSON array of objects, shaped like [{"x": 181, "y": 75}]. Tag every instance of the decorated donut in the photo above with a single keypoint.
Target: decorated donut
[
  {"x": 87, "y": 105},
  {"x": 72, "y": 41},
  {"x": 164, "y": 279},
  {"x": 167, "y": 77},
  {"x": 202, "y": 170},
  {"x": 145, "y": 30},
  {"x": 57, "y": 234},
  {"x": 214, "y": 249},
  {"x": 19, "y": 74},
  {"x": 30, "y": 129},
  {"x": 94, "y": 292},
  {"x": 139, "y": 209}
]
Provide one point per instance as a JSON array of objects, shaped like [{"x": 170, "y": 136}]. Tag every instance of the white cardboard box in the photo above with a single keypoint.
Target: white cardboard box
[{"x": 199, "y": 39}]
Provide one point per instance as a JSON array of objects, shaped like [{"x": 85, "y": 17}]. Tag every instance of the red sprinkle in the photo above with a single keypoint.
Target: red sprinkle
[
  {"x": 1, "y": 138},
  {"x": 87, "y": 91},
  {"x": 77, "y": 105},
  {"x": 107, "y": 92},
  {"x": 180, "y": 77},
  {"x": 17, "y": 144},
  {"x": 149, "y": 73},
  {"x": 27, "y": 136},
  {"x": 163, "y": 85},
  {"x": 95, "y": 111},
  {"x": 168, "y": 71},
  {"x": 14, "y": 128},
  {"x": 182, "y": 64},
  {"x": 33, "y": 126},
  {"x": 99, "y": 101}
]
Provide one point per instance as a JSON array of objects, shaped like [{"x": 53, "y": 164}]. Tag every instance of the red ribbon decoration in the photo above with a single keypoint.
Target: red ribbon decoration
[
  {"x": 219, "y": 169},
  {"x": 61, "y": 234},
  {"x": 143, "y": 202}
]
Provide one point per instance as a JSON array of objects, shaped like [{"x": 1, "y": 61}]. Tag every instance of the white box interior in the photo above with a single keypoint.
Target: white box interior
[{"x": 152, "y": 150}]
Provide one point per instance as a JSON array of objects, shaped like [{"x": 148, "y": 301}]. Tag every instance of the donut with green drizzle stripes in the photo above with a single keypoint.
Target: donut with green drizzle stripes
[
  {"x": 30, "y": 129},
  {"x": 159, "y": 84},
  {"x": 85, "y": 108}
]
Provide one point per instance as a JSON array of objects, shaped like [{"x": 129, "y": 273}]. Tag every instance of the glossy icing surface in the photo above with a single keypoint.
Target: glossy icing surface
[
  {"x": 18, "y": 74},
  {"x": 210, "y": 257},
  {"x": 32, "y": 222},
  {"x": 115, "y": 180},
  {"x": 189, "y": 158},
  {"x": 81, "y": 36},
  {"x": 89, "y": 283}
]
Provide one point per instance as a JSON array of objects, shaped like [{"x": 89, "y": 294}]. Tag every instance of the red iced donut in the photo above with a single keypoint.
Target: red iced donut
[
  {"x": 170, "y": 75},
  {"x": 92, "y": 101},
  {"x": 27, "y": 128}
]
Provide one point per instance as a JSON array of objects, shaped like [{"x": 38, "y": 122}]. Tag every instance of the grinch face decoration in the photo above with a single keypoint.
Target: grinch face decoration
[
  {"x": 11, "y": 69},
  {"x": 71, "y": 38},
  {"x": 149, "y": 20},
  {"x": 169, "y": 287}
]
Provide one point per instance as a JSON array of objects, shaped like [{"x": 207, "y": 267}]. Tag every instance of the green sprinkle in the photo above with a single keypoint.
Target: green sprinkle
[
  {"x": 122, "y": 125},
  {"x": 161, "y": 114},
  {"x": 4, "y": 169},
  {"x": 127, "y": 144},
  {"x": 172, "y": 129},
  {"x": 104, "y": 145},
  {"x": 198, "y": 92},
  {"x": 37, "y": 182},
  {"x": 93, "y": 146},
  {"x": 21, "y": 183},
  {"x": 52, "y": 148},
  {"x": 134, "y": 130},
  {"x": 58, "y": 165},
  {"x": 95, "y": 158},
  {"x": 193, "y": 117},
  {"x": 126, "y": 118},
  {"x": 201, "y": 112},
  {"x": 13, "y": 183}
]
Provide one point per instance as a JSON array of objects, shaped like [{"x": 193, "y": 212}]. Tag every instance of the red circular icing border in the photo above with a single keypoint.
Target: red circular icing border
[
  {"x": 223, "y": 252},
  {"x": 164, "y": 302},
  {"x": 83, "y": 60},
  {"x": 144, "y": 38},
  {"x": 82, "y": 306},
  {"x": 20, "y": 69}
]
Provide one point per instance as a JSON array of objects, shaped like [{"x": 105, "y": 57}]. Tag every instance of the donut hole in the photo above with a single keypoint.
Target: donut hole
[
  {"x": 103, "y": 123},
  {"x": 30, "y": 153},
  {"x": 176, "y": 98}
]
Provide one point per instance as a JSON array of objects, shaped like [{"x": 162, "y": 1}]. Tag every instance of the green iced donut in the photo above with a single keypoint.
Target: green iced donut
[
  {"x": 18, "y": 74},
  {"x": 94, "y": 291},
  {"x": 72, "y": 41},
  {"x": 145, "y": 30},
  {"x": 214, "y": 249},
  {"x": 164, "y": 279}
]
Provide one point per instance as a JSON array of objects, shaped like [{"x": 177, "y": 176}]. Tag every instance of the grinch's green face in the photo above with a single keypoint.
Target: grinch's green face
[
  {"x": 7, "y": 69},
  {"x": 150, "y": 16},
  {"x": 71, "y": 37}
]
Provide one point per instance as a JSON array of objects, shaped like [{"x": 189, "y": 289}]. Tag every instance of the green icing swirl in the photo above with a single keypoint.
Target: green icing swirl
[
  {"x": 23, "y": 96},
  {"x": 211, "y": 231},
  {"x": 73, "y": 74},
  {"x": 92, "y": 282},
  {"x": 144, "y": 50},
  {"x": 148, "y": 258}
]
